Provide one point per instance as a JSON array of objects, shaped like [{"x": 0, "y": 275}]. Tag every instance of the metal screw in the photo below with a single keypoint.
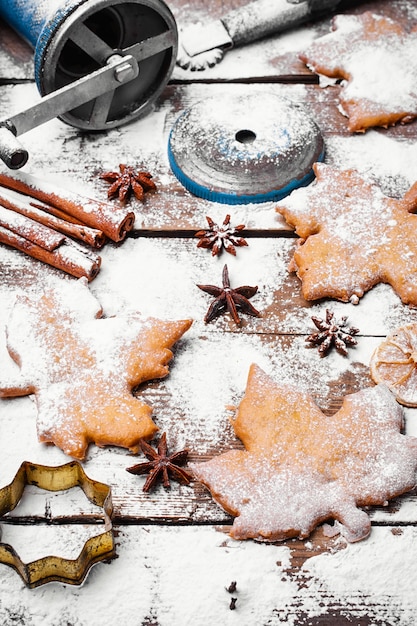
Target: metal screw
[{"x": 124, "y": 72}]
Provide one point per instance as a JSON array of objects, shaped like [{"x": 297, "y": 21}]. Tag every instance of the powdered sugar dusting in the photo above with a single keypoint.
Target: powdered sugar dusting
[
  {"x": 389, "y": 161},
  {"x": 356, "y": 580},
  {"x": 160, "y": 279},
  {"x": 369, "y": 52},
  {"x": 397, "y": 60},
  {"x": 347, "y": 572},
  {"x": 82, "y": 369},
  {"x": 300, "y": 468},
  {"x": 371, "y": 62},
  {"x": 332, "y": 216}
]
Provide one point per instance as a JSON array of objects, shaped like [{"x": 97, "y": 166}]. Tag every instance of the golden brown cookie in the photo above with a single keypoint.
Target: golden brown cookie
[
  {"x": 83, "y": 367},
  {"x": 394, "y": 363},
  {"x": 300, "y": 468},
  {"x": 352, "y": 237},
  {"x": 377, "y": 59}
]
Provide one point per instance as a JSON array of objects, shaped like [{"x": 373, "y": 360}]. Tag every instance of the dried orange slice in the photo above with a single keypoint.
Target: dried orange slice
[{"x": 394, "y": 363}]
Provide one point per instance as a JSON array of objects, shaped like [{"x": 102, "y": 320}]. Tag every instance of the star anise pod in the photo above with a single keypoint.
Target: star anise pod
[
  {"x": 128, "y": 180},
  {"x": 228, "y": 299},
  {"x": 219, "y": 237},
  {"x": 161, "y": 465},
  {"x": 332, "y": 333}
]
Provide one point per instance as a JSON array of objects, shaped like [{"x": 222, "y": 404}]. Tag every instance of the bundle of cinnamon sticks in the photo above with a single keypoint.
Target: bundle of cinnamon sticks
[{"x": 54, "y": 225}]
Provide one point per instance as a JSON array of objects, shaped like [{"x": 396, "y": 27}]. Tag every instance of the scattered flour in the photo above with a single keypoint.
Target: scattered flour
[
  {"x": 177, "y": 576},
  {"x": 369, "y": 54},
  {"x": 390, "y": 162}
]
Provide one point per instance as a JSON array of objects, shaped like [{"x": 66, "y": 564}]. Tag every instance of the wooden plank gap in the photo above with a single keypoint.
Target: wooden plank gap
[
  {"x": 126, "y": 520},
  {"x": 49, "y": 521},
  {"x": 304, "y": 79},
  {"x": 16, "y": 81},
  {"x": 188, "y": 233}
]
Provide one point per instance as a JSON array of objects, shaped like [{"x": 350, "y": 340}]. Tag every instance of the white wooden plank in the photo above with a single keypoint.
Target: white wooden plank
[{"x": 177, "y": 577}]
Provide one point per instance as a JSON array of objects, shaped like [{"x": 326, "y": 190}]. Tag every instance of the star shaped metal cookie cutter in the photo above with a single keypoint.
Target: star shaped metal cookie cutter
[{"x": 54, "y": 568}]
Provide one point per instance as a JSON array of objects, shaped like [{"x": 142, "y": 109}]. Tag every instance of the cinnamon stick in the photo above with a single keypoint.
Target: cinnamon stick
[
  {"x": 23, "y": 226},
  {"x": 45, "y": 215},
  {"x": 51, "y": 209},
  {"x": 68, "y": 257},
  {"x": 113, "y": 220}
]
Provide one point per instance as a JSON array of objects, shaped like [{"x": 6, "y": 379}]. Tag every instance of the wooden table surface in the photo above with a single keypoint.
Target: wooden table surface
[{"x": 175, "y": 558}]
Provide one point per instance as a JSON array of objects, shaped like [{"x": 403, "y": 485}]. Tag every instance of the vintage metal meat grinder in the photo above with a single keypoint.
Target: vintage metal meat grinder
[{"x": 98, "y": 63}]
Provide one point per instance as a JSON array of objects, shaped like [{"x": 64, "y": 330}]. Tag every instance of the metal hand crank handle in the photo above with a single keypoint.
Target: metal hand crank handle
[
  {"x": 119, "y": 70},
  {"x": 255, "y": 20},
  {"x": 262, "y": 18}
]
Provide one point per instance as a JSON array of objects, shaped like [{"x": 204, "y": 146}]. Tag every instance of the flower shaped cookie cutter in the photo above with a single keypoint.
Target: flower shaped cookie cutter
[{"x": 54, "y": 568}]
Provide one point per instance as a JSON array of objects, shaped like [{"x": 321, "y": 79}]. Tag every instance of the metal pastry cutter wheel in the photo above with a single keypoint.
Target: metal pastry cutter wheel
[
  {"x": 54, "y": 568},
  {"x": 98, "y": 63},
  {"x": 254, "y": 148}
]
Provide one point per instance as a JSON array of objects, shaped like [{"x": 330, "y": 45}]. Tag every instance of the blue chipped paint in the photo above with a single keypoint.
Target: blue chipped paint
[
  {"x": 36, "y": 21},
  {"x": 234, "y": 198}
]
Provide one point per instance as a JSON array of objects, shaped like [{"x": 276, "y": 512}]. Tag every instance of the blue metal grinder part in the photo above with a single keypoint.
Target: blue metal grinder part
[
  {"x": 37, "y": 21},
  {"x": 251, "y": 149}
]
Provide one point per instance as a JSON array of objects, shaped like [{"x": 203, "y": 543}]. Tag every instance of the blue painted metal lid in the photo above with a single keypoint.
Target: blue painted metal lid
[{"x": 238, "y": 150}]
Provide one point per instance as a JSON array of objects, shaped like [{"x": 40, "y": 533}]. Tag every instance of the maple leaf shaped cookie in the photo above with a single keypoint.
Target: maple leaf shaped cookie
[
  {"x": 352, "y": 237},
  {"x": 377, "y": 58},
  {"x": 300, "y": 468},
  {"x": 83, "y": 367}
]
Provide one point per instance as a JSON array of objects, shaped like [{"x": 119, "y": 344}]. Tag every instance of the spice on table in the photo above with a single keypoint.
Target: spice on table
[
  {"x": 128, "y": 180},
  {"x": 68, "y": 257},
  {"x": 232, "y": 587},
  {"x": 114, "y": 222},
  {"x": 161, "y": 465},
  {"x": 218, "y": 237},
  {"x": 47, "y": 215},
  {"x": 332, "y": 333},
  {"x": 228, "y": 299}
]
